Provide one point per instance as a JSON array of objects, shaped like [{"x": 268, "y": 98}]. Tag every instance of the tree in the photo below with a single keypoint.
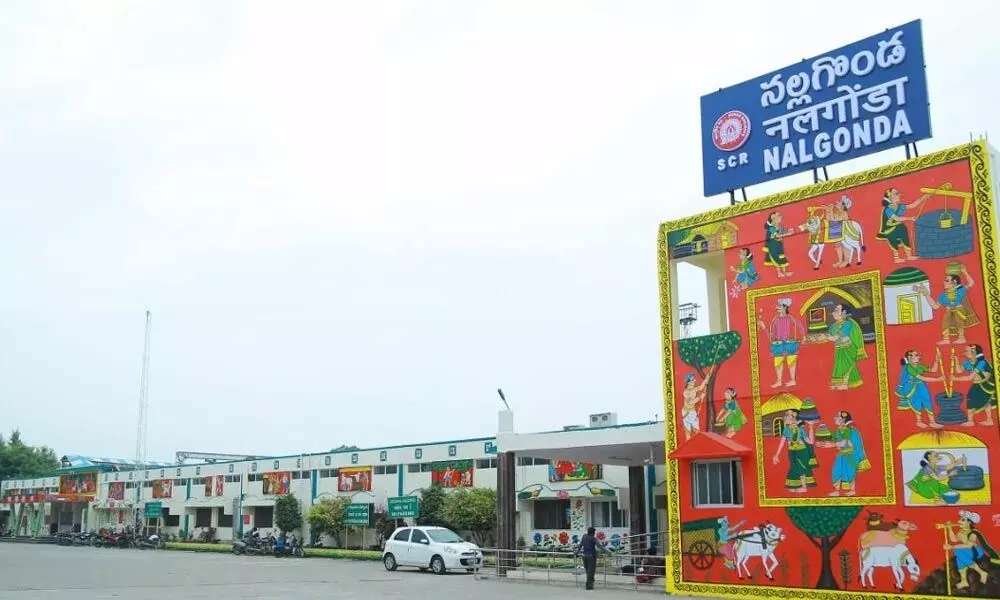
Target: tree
[
  {"x": 704, "y": 352},
  {"x": 472, "y": 509},
  {"x": 825, "y": 527},
  {"x": 431, "y": 505},
  {"x": 287, "y": 513},
  {"x": 382, "y": 524},
  {"x": 327, "y": 517},
  {"x": 21, "y": 461}
]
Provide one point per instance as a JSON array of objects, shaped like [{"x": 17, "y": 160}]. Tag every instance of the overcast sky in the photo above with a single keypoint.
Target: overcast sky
[{"x": 352, "y": 221}]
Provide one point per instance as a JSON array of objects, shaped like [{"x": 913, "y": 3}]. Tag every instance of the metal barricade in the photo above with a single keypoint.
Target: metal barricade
[{"x": 623, "y": 571}]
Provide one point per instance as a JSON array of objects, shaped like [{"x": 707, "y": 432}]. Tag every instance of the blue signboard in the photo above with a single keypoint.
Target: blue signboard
[{"x": 856, "y": 100}]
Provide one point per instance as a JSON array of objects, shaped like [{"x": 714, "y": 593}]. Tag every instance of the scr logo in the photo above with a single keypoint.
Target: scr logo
[{"x": 729, "y": 133}]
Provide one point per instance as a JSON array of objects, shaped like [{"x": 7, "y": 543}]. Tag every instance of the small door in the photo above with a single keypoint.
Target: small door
[
  {"x": 908, "y": 307},
  {"x": 778, "y": 426},
  {"x": 420, "y": 549}
]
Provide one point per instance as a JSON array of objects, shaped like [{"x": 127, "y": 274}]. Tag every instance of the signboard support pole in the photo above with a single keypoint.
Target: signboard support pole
[{"x": 911, "y": 153}]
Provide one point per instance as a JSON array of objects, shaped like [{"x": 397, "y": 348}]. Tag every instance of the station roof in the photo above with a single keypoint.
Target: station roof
[
  {"x": 78, "y": 462},
  {"x": 632, "y": 444}
]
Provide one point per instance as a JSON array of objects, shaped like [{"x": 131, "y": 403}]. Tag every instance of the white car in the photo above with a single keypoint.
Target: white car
[{"x": 435, "y": 548}]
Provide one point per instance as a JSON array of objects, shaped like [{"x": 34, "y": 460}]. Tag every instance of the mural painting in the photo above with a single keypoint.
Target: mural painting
[
  {"x": 852, "y": 396},
  {"x": 116, "y": 490},
  {"x": 452, "y": 474},
  {"x": 83, "y": 484},
  {"x": 277, "y": 483},
  {"x": 564, "y": 470},
  {"x": 354, "y": 479},
  {"x": 163, "y": 488}
]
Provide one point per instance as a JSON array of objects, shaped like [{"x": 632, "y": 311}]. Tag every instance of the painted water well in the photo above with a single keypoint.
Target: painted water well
[{"x": 941, "y": 234}]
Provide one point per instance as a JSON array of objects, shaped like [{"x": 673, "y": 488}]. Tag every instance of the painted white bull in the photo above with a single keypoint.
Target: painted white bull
[
  {"x": 895, "y": 557},
  {"x": 760, "y": 542}
]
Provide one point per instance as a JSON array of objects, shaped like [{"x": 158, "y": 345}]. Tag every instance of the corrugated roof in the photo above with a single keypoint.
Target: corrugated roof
[{"x": 77, "y": 462}]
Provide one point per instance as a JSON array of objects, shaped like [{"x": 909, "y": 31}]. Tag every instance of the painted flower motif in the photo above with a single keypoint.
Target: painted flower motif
[
  {"x": 616, "y": 540},
  {"x": 576, "y": 539},
  {"x": 563, "y": 538},
  {"x": 579, "y": 503},
  {"x": 601, "y": 536},
  {"x": 537, "y": 537}
]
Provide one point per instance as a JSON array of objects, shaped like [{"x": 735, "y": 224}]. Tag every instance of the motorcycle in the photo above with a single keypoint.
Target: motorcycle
[
  {"x": 151, "y": 543},
  {"x": 288, "y": 548},
  {"x": 251, "y": 544}
]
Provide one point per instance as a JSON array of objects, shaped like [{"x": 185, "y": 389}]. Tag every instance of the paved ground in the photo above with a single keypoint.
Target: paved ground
[{"x": 30, "y": 572}]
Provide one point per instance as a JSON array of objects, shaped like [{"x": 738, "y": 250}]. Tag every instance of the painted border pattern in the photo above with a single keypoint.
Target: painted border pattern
[
  {"x": 875, "y": 278},
  {"x": 977, "y": 154}
]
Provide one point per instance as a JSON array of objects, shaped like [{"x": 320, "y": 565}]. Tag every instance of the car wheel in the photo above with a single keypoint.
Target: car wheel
[
  {"x": 437, "y": 565},
  {"x": 390, "y": 562}
]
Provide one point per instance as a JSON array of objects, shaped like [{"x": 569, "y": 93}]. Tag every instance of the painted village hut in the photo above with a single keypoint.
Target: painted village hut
[
  {"x": 706, "y": 238},
  {"x": 961, "y": 458},
  {"x": 772, "y": 413},
  {"x": 818, "y": 309},
  {"x": 903, "y": 305}
]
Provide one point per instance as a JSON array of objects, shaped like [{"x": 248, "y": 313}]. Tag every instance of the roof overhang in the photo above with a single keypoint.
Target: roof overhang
[{"x": 630, "y": 445}]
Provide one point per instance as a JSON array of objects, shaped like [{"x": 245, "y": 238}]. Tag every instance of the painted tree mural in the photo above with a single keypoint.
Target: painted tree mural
[
  {"x": 825, "y": 527},
  {"x": 701, "y": 354}
]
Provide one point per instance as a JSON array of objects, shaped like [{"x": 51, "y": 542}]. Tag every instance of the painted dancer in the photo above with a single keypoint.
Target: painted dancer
[
  {"x": 893, "y": 226},
  {"x": 786, "y": 334},
  {"x": 801, "y": 456},
  {"x": 913, "y": 392}
]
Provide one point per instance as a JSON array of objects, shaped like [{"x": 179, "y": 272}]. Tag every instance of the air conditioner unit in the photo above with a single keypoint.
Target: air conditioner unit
[{"x": 604, "y": 419}]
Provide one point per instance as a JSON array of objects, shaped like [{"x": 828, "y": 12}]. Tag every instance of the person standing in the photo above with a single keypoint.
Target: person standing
[
  {"x": 588, "y": 549},
  {"x": 785, "y": 333}
]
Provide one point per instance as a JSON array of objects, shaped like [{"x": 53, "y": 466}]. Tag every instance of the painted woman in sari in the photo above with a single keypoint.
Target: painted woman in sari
[
  {"x": 931, "y": 482},
  {"x": 801, "y": 455},
  {"x": 892, "y": 229},
  {"x": 849, "y": 348},
  {"x": 851, "y": 458},
  {"x": 912, "y": 390},
  {"x": 731, "y": 416},
  {"x": 982, "y": 394},
  {"x": 774, "y": 245},
  {"x": 746, "y": 272}
]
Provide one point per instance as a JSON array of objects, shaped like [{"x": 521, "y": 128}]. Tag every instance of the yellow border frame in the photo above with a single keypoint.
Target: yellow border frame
[
  {"x": 978, "y": 156},
  {"x": 875, "y": 278}
]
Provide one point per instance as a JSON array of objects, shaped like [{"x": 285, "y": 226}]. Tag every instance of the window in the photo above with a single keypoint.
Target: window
[
  {"x": 253, "y": 467},
  {"x": 354, "y": 459},
  {"x": 486, "y": 463},
  {"x": 413, "y": 468},
  {"x": 551, "y": 514},
  {"x": 402, "y": 535},
  {"x": 224, "y": 519},
  {"x": 527, "y": 461},
  {"x": 197, "y": 470},
  {"x": 383, "y": 456},
  {"x": 391, "y": 469},
  {"x": 263, "y": 516},
  {"x": 326, "y": 461},
  {"x": 717, "y": 483},
  {"x": 147, "y": 484},
  {"x": 660, "y": 502},
  {"x": 130, "y": 485},
  {"x": 419, "y": 537},
  {"x": 418, "y": 453},
  {"x": 385, "y": 469},
  {"x": 298, "y": 463},
  {"x": 203, "y": 517},
  {"x": 607, "y": 514},
  {"x": 171, "y": 520},
  {"x": 178, "y": 472},
  {"x": 231, "y": 468},
  {"x": 180, "y": 482},
  {"x": 276, "y": 467},
  {"x": 453, "y": 450}
]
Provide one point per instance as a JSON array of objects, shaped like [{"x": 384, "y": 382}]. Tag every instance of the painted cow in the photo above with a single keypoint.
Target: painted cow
[
  {"x": 894, "y": 557},
  {"x": 761, "y": 542}
]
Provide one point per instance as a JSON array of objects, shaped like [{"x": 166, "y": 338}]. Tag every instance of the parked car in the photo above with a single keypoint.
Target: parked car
[{"x": 435, "y": 548}]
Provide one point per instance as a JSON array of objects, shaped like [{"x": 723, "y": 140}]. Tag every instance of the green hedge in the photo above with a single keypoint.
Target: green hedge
[{"x": 227, "y": 547}]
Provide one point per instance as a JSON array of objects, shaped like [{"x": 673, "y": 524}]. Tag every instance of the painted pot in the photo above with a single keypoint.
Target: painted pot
[{"x": 950, "y": 497}]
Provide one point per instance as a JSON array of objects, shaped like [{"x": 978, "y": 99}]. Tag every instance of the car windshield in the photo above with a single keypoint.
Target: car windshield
[{"x": 444, "y": 536}]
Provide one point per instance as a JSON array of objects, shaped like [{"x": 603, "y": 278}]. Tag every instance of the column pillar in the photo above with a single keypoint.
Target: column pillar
[{"x": 506, "y": 511}]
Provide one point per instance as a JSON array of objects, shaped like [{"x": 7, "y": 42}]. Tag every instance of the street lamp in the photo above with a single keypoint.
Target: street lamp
[{"x": 503, "y": 398}]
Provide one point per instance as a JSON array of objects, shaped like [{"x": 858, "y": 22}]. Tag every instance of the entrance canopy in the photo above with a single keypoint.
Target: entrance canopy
[{"x": 625, "y": 445}]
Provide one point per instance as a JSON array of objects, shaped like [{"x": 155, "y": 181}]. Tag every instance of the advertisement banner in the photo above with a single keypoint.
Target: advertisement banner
[
  {"x": 277, "y": 483},
  {"x": 863, "y": 98},
  {"x": 84, "y": 484},
  {"x": 209, "y": 486},
  {"x": 355, "y": 479},
  {"x": 163, "y": 488},
  {"x": 452, "y": 474},
  {"x": 219, "y": 482},
  {"x": 116, "y": 490},
  {"x": 562, "y": 470}
]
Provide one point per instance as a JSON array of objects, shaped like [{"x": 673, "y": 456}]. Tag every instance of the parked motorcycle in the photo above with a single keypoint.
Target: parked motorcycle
[
  {"x": 291, "y": 547},
  {"x": 151, "y": 543},
  {"x": 251, "y": 544}
]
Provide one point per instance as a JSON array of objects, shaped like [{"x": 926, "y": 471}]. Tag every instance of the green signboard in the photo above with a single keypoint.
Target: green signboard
[
  {"x": 403, "y": 507},
  {"x": 358, "y": 515},
  {"x": 154, "y": 510}
]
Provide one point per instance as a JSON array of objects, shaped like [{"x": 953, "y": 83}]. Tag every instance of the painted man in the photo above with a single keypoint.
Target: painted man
[
  {"x": 851, "y": 458},
  {"x": 969, "y": 547},
  {"x": 958, "y": 312},
  {"x": 693, "y": 395},
  {"x": 786, "y": 334}
]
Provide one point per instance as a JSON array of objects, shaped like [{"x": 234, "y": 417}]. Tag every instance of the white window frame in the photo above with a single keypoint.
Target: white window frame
[{"x": 737, "y": 464}]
